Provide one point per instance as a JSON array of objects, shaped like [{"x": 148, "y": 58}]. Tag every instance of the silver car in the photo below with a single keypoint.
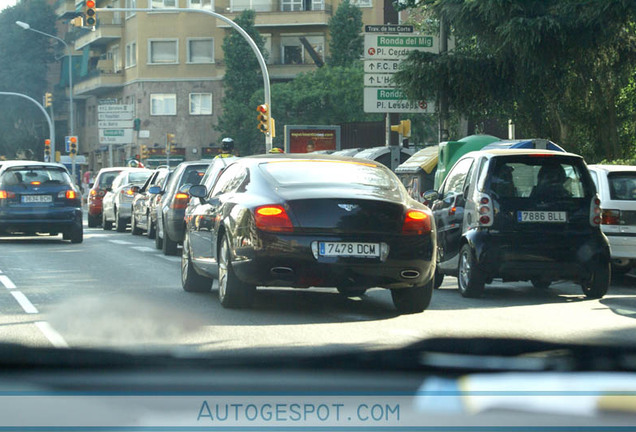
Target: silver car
[{"x": 117, "y": 203}]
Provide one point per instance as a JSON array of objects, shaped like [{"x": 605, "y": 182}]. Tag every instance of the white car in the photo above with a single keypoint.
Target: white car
[
  {"x": 616, "y": 185},
  {"x": 117, "y": 203}
]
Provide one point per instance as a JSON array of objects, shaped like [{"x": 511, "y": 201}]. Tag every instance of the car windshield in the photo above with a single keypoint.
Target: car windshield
[{"x": 292, "y": 232}]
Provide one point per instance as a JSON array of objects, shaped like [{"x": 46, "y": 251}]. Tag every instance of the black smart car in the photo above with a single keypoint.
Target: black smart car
[
  {"x": 520, "y": 215},
  {"x": 39, "y": 197},
  {"x": 308, "y": 221}
]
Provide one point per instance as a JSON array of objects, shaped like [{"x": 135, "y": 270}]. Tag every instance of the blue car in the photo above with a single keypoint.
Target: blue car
[{"x": 39, "y": 197}]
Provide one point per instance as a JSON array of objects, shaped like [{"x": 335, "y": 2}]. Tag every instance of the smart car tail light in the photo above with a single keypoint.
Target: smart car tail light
[
  {"x": 180, "y": 201},
  {"x": 272, "y": 218},
  {"x": 416, "y": 222},
  {"x": 485, "y": 211},
  {"x": 595, "y": 212}
]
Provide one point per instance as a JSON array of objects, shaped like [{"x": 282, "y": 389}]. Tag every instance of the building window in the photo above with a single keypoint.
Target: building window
[
  {"x": 164, "y": 51},
  {"x": 163, "y": 4},
  {"x": 131, "y": 54},
  {"x": 115, "y": 55},
  {"x": 201, "y": 103},
  {"x": 200, "y": 4},
  {"x": 293, "y": 51},
  {"x": 131, "y": 4},
  {"x": 257, "y": 5},
  {"x": 163, "y": 104},
  {"x": 200, "y": 50},
  {"x": 291, "y": 5}
]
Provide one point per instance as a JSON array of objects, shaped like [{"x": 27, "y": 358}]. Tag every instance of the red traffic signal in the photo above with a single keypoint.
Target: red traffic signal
[
  {"x": 90, "y": 13},
  {"x": 263, "y": 118}
]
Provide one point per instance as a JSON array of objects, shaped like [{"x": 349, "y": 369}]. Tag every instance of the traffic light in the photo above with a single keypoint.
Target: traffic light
[
  {"x": 90, "y": 14},
  {"x": 48, "y": 99},
  {"x": 144, "y": 151},
  {"x": 72, "y": 146},
  {"x": 170, "y": 142},
  {"x": 263, "y": 118},
  {"x": 404, "y": 128},
  {"x": 47, "y": 149}
]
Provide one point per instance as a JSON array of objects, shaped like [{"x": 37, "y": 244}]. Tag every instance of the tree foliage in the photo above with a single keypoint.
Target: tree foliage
[
  {"x": 24, "y": 56},
  {"x": 242, "y": 78},
  {"x": 558, "y": 68},
  {"x": 346, "y": 43}
]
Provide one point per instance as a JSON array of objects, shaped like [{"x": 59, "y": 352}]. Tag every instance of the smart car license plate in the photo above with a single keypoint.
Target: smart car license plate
[
  {"x": 37, "y": 198},
  {"x": 351, "y": 249},
  {"x": 542, "y": 216}
]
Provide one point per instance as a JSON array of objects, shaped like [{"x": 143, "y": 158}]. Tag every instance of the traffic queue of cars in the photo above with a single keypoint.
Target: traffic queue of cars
[{"x": 316, "y": 220}]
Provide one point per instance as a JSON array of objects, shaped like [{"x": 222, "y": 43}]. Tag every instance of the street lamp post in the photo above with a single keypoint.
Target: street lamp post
[{"x": 71, "y": 124}]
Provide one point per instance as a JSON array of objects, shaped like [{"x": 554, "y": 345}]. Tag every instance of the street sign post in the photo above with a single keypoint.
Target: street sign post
[{"x": 393, "y": 47}]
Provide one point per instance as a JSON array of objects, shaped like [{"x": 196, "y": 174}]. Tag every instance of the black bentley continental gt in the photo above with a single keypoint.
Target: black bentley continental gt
[{"x": 308, "y": 221}]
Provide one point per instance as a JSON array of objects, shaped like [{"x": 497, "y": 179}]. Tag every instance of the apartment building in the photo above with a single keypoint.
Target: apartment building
[{"x": 167, "y": 69}]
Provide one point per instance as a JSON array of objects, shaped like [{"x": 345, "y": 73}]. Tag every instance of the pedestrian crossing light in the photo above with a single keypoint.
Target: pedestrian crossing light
[
  {"x": 48, "y": 99},
  {"x": 263, "y": 118},
  {"x": 404, "y": 128},
  {"x": 73, "y": 146},
  {"x": 90, "y": 14},
  {"x": 47, "y": 149}
]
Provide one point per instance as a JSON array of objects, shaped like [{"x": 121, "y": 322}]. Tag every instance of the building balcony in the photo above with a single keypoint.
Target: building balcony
[
  {"x": 282, "y": 15},
  {"x": 98, "y": 81},
  {"x": 65, "y": 8},
  {"x": 284, "y": 72},
  {"x": 103, "y": 34}
]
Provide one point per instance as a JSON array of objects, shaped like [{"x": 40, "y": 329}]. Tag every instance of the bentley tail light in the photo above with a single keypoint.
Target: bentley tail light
[
  {"x": 272, "y": 218},
  {"x": 180, "y": 200},
  {"x": 416, "y": 222}
]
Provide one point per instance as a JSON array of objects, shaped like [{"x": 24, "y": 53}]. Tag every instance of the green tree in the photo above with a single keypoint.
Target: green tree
[
  {"x": 242, "y": 78},
  {"x": 346, "y": 43},
  {"x": 25, "y": 57},
  {"x": 557, "y": 67}
]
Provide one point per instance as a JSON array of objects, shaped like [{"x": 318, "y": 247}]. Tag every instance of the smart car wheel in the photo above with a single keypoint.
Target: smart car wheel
[
  {"x": 413, "y": 299},
  {"x": 232, "y": 292},
  {"x": 470, "y": 280},
  {"x": 106, "y": 225},
  {"x": 598, "y": 284},
  {"x": 191, "y": 281}
]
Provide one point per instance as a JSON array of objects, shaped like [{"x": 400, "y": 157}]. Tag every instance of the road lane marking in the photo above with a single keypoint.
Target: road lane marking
[
  {"x": 7, "y": 282},
  {"x": 144, "y": 249},
  {"x": 121, "y": 242},
  {"x": 170, "y": 258},
  {"x": 56, "y": 339},
  {"x": 24, "y": 302}
]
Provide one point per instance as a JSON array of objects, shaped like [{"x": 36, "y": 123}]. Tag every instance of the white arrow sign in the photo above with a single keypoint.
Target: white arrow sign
[
  {"x": 381, "y": 66},
  {"x": 379, "y": 80}
]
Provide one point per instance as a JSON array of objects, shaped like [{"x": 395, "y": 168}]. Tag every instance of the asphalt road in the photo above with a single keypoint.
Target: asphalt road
[{"x": 115, "y": 290}]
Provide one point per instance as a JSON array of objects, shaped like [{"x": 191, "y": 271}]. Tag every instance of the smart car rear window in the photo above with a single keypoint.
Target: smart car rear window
[
  {"x": 538, "y": 177},
  {"x": 622, "y": 186}
]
